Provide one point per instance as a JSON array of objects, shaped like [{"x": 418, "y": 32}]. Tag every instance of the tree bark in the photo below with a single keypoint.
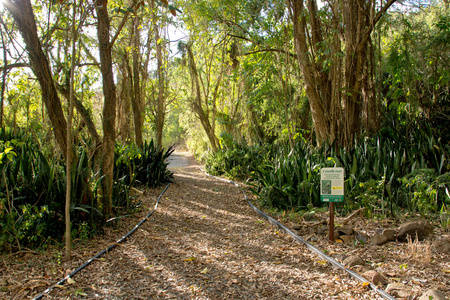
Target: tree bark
[
  {"x": 160, "y": 111},
  {"x": 310, "y": 74},
  {"x": 197, "y": 102},
  {"x": 109, "y": 107},
  {"x": 136, "y": 99},
  {"x": 23, "y": 15},
  {"x": 124, "y": 96},
  {"x": 336, "y": 87},
  {"x": 5, "y": 72},
  {"x": 68, "y": 237}
]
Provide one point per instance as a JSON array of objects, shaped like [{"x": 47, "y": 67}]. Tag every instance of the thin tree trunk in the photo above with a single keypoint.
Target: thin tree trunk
[
  {"x": 298, "y": 16},
  {"x": 160, "y": 103},
  {"x": 69, "y": 140},
  {"x": 136, "y": 99},
  {"x": 123, "y": 101},
  {"x": 5, "y": 72}
]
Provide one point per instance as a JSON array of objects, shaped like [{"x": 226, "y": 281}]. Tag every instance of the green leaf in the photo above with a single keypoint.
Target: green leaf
[
  {"x": 80, "y": 208},
  {"x": 10, "y": 156}
]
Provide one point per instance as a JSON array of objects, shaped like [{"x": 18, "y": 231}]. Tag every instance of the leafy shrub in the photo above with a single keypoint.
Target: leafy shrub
[
  {"x": 31, "y": 192},
  {"x": 32, "y": 189},
  {"x": 237, "y": 161},
  {"x": 420, "y": 191},
  {"x": 146, "y": 166},
  {"x": 134, "y": 166},
  {"x": 424, "y": 191},
  {"x": 377, "y": 171},
  {"x": 26, "y": 226},
  {"x": 368, "y": 194}
]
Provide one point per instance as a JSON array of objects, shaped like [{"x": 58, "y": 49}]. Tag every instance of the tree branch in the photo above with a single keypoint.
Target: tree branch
[
  {"x": 242, "y": 38},
  {"x": 261, "y": 50},
  {"x": 15, "y": 65},
  {"x": 270, "y": 50},
  {"x": 122, "y": 23},
  {"x": 375, "y": 21}
]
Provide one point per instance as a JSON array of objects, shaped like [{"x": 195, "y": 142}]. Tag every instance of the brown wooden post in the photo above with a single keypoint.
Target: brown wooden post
[{"x": 331, "y": 222}]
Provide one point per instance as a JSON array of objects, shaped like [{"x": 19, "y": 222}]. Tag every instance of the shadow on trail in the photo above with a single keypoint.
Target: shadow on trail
[{"x": 204, "y": 242}]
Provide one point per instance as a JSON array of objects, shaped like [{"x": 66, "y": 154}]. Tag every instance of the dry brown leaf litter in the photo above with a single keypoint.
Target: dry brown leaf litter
[{"x": 204, "y": 242}]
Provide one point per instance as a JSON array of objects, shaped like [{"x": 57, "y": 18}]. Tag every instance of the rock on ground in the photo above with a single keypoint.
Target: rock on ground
[
  {"x": 389, "y": 234},
  {"x": 432, "y": 294},
  {"x": 399, "y": 290},
  {"x": 354, "y": 261},
  {"x": 378, "y": 239},
  {"x": 442, "y": 245},
  {"x": 420, "y": 228},
  {"x": 375, "y": 277}
]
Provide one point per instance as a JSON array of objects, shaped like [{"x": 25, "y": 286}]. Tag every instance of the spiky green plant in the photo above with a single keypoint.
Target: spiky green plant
[{"x": 289, "y": 178}]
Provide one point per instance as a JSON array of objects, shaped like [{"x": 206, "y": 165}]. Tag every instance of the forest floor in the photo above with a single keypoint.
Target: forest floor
[{"x": 205, "y": 242}]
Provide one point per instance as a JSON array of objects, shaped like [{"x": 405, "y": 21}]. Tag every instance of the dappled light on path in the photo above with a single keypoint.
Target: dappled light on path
[{"x": 205, "y": 242}]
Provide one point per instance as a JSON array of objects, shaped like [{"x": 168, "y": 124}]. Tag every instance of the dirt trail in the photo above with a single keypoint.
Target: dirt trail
[
  {"x": 203, "y": 242},
  {"x": 180, "y": 159}
]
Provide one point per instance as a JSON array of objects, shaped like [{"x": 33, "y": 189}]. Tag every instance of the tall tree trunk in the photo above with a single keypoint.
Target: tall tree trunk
[
  {"x": 109, "y": 106},
  {"x": 370, "y": 117},
  {"x": 123, "y": 101},
  {"x": 160, "y": 103},
  {"x": 23, "y": 15},
  {"x": 136, "y": 99},
  {"x": 5, "y": 72},
  {"x": 68, "y": 250},
  {"x": 310, "y": 74},
  {"x": 336, "y": 92},
  {"x": 197, "y": 102}
]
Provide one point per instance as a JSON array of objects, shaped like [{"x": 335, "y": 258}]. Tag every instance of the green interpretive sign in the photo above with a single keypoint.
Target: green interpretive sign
[{"x": 332, "y": 184}]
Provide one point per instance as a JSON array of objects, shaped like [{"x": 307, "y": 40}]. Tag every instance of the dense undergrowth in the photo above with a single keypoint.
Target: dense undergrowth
[
  {"x": 33, "y": 187},
  {"x": 405, "y": 168}
]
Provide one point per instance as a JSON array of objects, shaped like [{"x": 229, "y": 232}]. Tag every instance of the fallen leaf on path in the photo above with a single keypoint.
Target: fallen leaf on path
[{"x": 190, "y": 259}]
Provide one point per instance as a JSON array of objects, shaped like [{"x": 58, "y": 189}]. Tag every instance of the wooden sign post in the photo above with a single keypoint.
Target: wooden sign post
[{"x": 332, "y": 190}]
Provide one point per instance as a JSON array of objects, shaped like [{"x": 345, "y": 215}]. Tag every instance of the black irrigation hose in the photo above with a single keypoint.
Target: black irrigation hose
[
  {"x": 331, "y": 260},
  {"x": 109, "y": 248}
]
